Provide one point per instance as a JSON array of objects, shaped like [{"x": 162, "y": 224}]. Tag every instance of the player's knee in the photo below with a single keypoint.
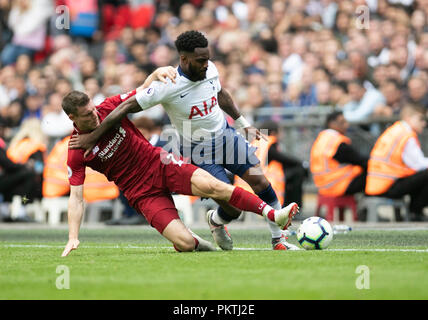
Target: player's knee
[{"x": 185, "y": 243}]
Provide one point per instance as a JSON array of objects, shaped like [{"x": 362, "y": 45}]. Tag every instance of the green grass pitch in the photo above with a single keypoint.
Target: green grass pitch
[{"x": 137, "y": 263}]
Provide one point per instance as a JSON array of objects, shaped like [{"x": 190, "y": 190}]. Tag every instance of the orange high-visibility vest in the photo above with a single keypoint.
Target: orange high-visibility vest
[
  {"x": 331, "y": 177},
  {"x": 55, "y": 178},
  {"x": 386, "y": 164},
  {"x": 273, "y": 170},
  {"x": 22, "y": 151},
  {"x": 97, "y": 187},
  {"x": 55, "y": 174}
]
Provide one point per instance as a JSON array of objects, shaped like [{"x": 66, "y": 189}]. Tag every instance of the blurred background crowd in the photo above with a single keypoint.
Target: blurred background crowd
[{"x": 269, "y": 53}]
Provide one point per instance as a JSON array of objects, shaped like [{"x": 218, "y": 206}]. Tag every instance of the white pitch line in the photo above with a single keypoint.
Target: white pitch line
[{"x": 237, "y": 249}]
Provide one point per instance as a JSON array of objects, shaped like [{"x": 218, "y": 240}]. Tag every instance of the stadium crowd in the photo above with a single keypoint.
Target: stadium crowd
[{"x": 269, "y": 53}]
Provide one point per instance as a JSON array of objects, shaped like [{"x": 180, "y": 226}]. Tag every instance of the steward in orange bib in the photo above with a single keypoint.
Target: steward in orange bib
[
  {"x": 15, "y": 178},
  {"x": 397, "y": 165},
  {"x": 55, "y": 177},
  {"x": 28, "y": 147},
  {"x": 336, "y": 167}
]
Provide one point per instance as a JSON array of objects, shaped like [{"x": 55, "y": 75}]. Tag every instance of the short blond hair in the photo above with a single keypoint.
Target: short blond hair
[{"x": 411, "y": 109}]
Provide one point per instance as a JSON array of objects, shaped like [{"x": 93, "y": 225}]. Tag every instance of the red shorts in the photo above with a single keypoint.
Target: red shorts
[{"x": 158, "y": 207}]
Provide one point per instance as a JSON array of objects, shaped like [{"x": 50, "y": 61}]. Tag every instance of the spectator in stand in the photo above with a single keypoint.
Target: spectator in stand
[
  {"x": 93, "y": 90},
  {"x": 54, "y": 123},
  {"x": 418, "y": 92},
  {"x": 323, "y": 89},
  {"x": 5, "y": 32},
  {"x": 274, "y": 100},
  {"x": 302, "y": 93},
  {"x": 363, "y": 102},
  {"x": 27, "y": 20},
  {"x": 392, "y": 92},
  {"x": 12, "y": 115},
  {"x": 32, "y": 106},
  {"x": 338, "y": 94}
]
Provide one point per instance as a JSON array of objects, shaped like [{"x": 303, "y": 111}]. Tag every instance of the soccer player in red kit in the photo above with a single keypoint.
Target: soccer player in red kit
[{"x": 147, "y": 175}]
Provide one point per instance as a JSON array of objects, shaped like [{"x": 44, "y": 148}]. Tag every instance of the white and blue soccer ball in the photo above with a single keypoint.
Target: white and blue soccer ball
[{"x": 315, "y": 233}]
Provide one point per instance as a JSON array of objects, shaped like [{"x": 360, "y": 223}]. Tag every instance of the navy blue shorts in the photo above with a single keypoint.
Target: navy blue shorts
[{"x": 231, "y": 151}]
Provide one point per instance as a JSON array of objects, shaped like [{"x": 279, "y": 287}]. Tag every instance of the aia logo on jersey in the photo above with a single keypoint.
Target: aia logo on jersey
[{"x": 195, "y": 111}]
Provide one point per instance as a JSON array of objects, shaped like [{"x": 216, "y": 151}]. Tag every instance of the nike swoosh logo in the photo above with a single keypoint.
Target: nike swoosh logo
[{"x": 183, "y": 95}]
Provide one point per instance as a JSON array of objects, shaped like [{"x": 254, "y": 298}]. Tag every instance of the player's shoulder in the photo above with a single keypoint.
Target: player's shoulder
[
  {"x": 159, "y": 88},
  {"x": 164, "y": 91},
  {"x": 109, "y": 103},
  {"x": 212, "y": 66},
  {"x": 212, "y": 70}
]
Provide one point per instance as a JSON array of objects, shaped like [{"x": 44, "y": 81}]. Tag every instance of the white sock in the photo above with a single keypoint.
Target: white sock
[
  {"x": 274, "y": 229},
  {"x": 217, "y": 219},
  {"x": 266, "y": 210}
]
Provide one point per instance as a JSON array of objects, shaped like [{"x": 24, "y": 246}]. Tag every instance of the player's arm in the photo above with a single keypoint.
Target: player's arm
[
  {"x": 131, "y": 105},
  {"x": 227, "y": 104},
  {"x": 87, "y": 141},
  {"x": 75, "y": 214},
  {"x": 160, "y": 74}
]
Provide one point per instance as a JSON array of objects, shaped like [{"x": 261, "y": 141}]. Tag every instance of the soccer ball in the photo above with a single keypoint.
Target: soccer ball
[{"x": 314, "y": 233}]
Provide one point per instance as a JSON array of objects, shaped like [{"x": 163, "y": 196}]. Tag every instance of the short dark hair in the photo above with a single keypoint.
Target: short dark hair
[
  {"x": 73, "y": 100},
  {"x": 394, "y": 82},
  {"x": 332, "y": 117},
  {"x": 189, "y": 40},
  {"x": 356, "y": 81}
]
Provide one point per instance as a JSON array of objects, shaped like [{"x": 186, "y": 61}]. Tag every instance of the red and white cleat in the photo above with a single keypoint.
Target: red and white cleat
[
  {"x": 284, "y": 216},
  {"x": 282, "y": 244}
]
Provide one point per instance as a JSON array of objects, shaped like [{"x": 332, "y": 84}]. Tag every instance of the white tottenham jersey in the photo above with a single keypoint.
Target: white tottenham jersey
[{"x": 191, "y": 106}]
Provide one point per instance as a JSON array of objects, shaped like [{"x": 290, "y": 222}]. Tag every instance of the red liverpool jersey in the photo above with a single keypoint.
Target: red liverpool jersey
[{"x": 123, "y": 155}]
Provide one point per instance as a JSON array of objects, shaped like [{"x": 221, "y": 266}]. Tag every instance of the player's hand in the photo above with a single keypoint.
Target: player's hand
[
  {"x": 254, "y": 133},
  {"x": 72, "y": 244},
  {"x": 81, "y": 141},
  {"x": 163, "y": 73}
]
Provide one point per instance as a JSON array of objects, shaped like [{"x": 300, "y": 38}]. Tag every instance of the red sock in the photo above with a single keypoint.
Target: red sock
[
  {"x": 271, "y": 215},
  {"x": 196, "y": 243},
  {"x": 247, "y": 201}
]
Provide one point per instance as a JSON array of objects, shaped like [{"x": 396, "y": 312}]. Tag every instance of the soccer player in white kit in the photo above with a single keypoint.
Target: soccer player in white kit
[{"x": 195, "y": 103}]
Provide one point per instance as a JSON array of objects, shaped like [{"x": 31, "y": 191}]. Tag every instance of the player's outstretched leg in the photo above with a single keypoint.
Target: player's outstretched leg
[
  {"x": 205, "y": 185},
  {"x": 255, "y": 177}
]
